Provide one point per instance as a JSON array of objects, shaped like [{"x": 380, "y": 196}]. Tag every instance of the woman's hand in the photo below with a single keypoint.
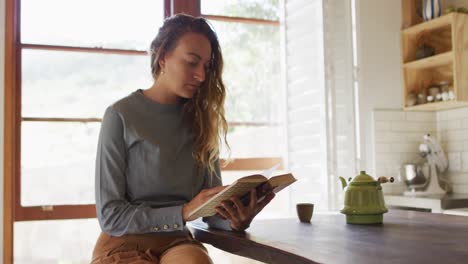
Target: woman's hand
[
  {"x": 198, "y": 200},
  {"x": 241, "y": 216}
]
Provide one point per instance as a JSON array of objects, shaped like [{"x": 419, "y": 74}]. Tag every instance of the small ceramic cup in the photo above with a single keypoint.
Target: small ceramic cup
[{"x": 305, "y": 211}]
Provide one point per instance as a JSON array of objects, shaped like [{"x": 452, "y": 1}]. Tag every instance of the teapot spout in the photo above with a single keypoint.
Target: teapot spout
[{"x": 343, "y": 182}]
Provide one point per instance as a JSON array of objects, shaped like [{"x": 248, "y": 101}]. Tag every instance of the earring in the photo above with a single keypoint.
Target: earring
[{"x": 162, "y": 71}]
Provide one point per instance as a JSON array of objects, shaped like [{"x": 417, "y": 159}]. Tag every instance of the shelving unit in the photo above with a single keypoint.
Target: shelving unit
[
  {"x": 442, "y": 59},
  {"x": 448, "y": 35}
]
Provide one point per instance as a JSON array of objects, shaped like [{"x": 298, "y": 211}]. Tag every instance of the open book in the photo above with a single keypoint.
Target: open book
[{"x": 241, "y": 188}]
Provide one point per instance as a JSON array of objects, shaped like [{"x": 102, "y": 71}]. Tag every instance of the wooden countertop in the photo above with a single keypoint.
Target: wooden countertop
[{"x": 405, "y": 237}]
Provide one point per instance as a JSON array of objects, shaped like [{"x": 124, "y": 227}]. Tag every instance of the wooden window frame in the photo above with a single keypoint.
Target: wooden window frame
[{"x": 13, "y": 211}]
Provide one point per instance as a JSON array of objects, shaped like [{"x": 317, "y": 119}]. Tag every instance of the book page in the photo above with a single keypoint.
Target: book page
[
  {"x": 239, "y": 188},
  {"x": 280, "y": 182}
]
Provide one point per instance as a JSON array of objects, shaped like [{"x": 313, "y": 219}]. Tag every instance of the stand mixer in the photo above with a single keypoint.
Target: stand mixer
[{"x": 431, "y": 150}]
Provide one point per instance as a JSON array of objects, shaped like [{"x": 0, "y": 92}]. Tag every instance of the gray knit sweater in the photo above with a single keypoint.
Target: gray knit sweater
[{"x": 145, "y": 171}]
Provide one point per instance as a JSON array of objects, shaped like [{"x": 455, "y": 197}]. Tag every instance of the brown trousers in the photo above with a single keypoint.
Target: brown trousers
[{"x": 146, "y": 249}]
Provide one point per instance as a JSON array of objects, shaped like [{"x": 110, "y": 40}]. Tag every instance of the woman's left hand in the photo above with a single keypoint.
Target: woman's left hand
[{"x": 241, "y": 215}]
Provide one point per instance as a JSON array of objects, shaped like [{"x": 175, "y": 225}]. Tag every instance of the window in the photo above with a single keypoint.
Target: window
[
  {"x": 252, "y": 72},
  {"x": 67, "y": 62},
  {"x": 70, "y": 72},
  {"x": 249, "y": 34},
  {"x": 71, "y": 63}
]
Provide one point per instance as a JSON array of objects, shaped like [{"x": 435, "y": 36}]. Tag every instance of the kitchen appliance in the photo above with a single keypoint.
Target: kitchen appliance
[
  {"x": 415, "y": 175},
  {"x": 432, "y": 171}
]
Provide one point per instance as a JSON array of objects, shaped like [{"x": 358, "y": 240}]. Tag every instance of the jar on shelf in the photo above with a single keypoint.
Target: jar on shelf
[
  {"x": 433, "y": 91},
  {"x": 444, "y": 86},
  {"x": 451, "y": 94},
  {"x": 411, "y": 99},
  {"x": 445, "y": 96},
  {"x": 421, "y": 98}
]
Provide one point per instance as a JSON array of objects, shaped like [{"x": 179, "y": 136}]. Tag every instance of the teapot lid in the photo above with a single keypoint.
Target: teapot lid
[{"x": 363, "y": 178}]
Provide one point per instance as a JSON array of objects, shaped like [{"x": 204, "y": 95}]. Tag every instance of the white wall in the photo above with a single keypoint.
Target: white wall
[
  {"x": 452, "y": 132},
  {"x": 398, "y": 135},
  {"x": 306, "y": 100},
  {"x": 2, "y": 71},
  {"x": 320, "y": 120},
  {"x": 341, "y": 137},
  {"x": 378, "y": 28}
]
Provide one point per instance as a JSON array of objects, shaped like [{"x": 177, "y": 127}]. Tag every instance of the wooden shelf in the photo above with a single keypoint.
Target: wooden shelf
[
  {"x": 440, "y": 22},
  {"x": 447, "y": 36},
  {"x": 430, "y": 62},
  {"x": 436, "y": 106}
]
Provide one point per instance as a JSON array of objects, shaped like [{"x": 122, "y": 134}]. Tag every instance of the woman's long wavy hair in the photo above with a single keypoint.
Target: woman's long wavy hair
[{"x": 206, "y": 108}]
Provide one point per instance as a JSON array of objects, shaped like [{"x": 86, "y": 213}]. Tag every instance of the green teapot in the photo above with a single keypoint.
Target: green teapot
[{"x": 364, "y": 202}]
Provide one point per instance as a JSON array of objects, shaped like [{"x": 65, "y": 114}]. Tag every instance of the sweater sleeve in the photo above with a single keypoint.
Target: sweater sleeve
[
  {"x": 116, "y": 215},
  {"x": 216, "y": 221}
]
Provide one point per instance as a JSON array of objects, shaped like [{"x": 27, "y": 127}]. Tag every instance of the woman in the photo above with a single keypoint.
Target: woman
[{"x": 158, "y": 154}]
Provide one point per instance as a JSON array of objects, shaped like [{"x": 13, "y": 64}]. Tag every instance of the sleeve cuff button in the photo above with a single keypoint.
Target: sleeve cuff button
[{"x": 165, "y": 227}]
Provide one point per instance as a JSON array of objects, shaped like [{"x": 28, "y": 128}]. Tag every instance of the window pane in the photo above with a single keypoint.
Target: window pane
[
  {"x": 250, "y": 142},
  {"x": 72, "y": 242},
  {"x": 261, "y": 9},
  {"x": 252, "y": 72},
  {"x": 89, "y": 23},
  {"x": 78, "y": 84},
  {"x": 57, "y": 163},
  {"x": 59, "y": 241}
]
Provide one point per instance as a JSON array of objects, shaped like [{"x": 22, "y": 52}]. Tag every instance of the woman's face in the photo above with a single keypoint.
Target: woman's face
[{"x": 186, "y": 65}]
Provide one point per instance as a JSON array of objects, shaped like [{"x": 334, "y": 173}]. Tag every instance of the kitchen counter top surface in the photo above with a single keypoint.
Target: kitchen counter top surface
[
  {"x": 436, "y": 203},
  {"x": 404, "y": 237}
]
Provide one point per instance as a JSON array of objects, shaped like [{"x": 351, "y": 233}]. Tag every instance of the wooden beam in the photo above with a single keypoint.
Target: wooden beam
[
  {"x": 96, "y": 119},
  {"x": 251, "y": 164},
  {"x": 254, "y": 21},
  {"x": 60, "y": 119},
  {"x": 54, "y": 212},
  {"x": 10, "y": 125},
  {"x": 84, "y": 49},
  {"x": 190, "y": 7}
]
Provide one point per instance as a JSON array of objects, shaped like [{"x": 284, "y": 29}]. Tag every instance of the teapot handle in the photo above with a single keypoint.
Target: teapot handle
[{"x": 383, "y": 179}]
